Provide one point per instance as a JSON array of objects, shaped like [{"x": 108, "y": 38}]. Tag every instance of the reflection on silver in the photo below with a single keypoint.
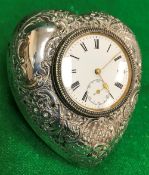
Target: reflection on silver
[{"x": 34, "y": 51}]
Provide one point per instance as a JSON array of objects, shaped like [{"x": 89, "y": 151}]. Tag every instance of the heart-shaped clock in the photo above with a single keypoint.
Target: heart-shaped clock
[{"x": 75, "y": 80}]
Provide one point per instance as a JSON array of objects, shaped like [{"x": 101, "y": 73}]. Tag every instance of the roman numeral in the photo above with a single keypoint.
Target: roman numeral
[
  {"x": 96, "y": 43},
  {"x": 84, "y": 46},
  {"x": 74, "y": 71},
  {"x": 117, "y": 58},
  {"x": 74, "y": 57},
  {"x": 119, "y": 85},
  {"x": 109, "y": 48},
  {"x": 75, "y": 85},
  {"x": 85, "y": 96}
]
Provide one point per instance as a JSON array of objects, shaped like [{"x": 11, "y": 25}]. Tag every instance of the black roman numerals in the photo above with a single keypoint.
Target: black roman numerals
[
  {"x": 119, "y": 85},
  {"x": 85, "y": 96},
  {"x": 117, "y": 58},
  {"x": 96, "y": 41},
  {"x": 74, "y": 71},
  {"x": 84, "y": 46},
  {"x": 74, "y": 57},
  {"x": 75, "y": 85},
  {"x": 109, "y": 48}
]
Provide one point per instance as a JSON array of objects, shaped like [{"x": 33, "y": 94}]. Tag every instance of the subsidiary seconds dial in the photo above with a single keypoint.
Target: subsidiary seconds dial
[{"x": 95, "y": 72}]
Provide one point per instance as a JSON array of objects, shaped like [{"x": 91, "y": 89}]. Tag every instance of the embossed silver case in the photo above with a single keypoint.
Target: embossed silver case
[{"x": 80, "y": 138}]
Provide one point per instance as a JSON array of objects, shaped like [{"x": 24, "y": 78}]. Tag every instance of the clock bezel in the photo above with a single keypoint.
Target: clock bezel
[{"x": 57, "y": 78}]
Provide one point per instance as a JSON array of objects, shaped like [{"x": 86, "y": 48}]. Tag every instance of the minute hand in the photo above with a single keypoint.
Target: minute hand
[{"x": 110, "y": 60}]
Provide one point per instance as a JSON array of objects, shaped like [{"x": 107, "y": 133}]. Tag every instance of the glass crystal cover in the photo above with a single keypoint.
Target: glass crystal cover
[{"x": 96, "y": 71}]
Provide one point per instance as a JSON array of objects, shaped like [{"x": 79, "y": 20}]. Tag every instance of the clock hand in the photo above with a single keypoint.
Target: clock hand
[
  {"x": 110, "y": 60},
  {"x": 105, "y": 85},
  {"x": 111, "y": 95}
]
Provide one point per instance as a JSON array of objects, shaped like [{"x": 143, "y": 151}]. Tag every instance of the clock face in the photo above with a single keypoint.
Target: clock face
[{"x": 95, "y": 72}]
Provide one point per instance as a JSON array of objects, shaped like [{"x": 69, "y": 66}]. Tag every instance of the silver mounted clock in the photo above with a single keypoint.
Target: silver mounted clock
[{"x": 76, "y": 81}]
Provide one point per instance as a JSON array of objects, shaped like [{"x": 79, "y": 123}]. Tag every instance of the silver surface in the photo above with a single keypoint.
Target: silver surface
[{"x": 80, "y": 139}]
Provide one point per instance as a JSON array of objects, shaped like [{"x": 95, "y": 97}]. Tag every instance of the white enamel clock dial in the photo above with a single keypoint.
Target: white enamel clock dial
[{"x": 96, "y": 71}]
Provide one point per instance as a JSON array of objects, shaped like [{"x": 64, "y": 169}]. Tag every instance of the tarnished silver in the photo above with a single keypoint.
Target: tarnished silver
[{"x": 78, "y": 138}]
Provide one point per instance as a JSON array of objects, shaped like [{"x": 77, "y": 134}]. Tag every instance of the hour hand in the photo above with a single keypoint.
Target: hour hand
[{"x": 105, "y": 85}]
